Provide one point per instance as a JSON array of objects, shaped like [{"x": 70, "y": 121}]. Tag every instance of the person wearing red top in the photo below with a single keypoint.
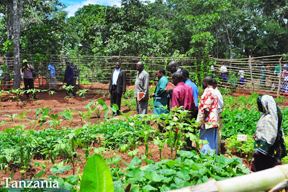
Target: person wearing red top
[
  {"x": 208, "y": 118},
  {"x": 183, "y": 96}
]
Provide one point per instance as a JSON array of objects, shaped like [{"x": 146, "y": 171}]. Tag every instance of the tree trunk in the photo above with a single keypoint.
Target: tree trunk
[
  {"x": 16, "y": 32},
  {"x": 9, "y": 26}
]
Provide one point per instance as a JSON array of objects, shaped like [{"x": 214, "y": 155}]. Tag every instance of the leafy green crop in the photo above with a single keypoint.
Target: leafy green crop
[
  {"x": 239, "y": 121},
  {"x": 188, "y": 169},
  {"x": 244, "y": 149}
]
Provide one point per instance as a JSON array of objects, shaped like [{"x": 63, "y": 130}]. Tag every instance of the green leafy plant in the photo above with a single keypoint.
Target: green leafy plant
[
  {"x": 82, "y": 92},
  {"x": 96, "y": 175},
  {"x": 242, "y": 149},
  {"x": 50, "y": 92}
]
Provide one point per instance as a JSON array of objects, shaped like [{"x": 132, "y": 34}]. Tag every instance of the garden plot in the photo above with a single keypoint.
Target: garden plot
[{"x": 54, "y": 138}]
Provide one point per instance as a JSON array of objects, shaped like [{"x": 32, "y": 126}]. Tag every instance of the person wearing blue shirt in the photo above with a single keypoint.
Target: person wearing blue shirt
[
  {"x": 51, "y": 69},
  {"x": 194, "y": 87}
]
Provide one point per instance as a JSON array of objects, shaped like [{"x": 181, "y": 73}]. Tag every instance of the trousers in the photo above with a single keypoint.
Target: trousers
[
  {"x": 141, "y": 106},
  {"x": 29, "y": 83},
  {"x": 115, "y": 98}
]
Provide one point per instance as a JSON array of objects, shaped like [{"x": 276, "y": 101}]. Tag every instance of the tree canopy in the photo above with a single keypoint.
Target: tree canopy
[{"x": 221, "y": 28}]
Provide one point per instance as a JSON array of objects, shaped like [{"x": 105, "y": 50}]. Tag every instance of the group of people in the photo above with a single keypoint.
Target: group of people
[
  {"x": 28, "y": 75},
  {"x": 181, "y": 92}
]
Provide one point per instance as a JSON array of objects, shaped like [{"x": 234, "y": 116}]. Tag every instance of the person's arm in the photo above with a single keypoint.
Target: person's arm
[
  {"x": 110, "y": 84},
  {"x": 146, "y": 87},
  {"x": 220, "y": 100},
  {"x": 204, "y": 110},
  {"x": 175, "y": 99},
  {"x": 161, "y": 88},
  {"x": 124, "y": 83}
]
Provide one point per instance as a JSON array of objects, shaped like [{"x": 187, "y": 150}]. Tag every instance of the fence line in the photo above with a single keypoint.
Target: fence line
[{"x": 96, "y": 70}]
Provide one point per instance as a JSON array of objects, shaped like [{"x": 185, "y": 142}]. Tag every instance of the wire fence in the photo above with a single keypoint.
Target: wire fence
[{"x": 260, "y": 73}]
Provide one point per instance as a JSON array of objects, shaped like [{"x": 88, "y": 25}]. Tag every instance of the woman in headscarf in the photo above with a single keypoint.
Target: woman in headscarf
[
  {"x": 269, "y": 139},
  {"x": 284, "y": 85}
]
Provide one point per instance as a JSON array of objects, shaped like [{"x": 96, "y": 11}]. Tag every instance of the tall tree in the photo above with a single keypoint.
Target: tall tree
[{"x": 17, "y": 9}]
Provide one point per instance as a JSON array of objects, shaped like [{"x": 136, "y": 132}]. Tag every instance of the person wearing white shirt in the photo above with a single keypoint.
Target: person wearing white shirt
[
  {"x": 117, "y": 86},
  {"x": 220, "y": 106}
]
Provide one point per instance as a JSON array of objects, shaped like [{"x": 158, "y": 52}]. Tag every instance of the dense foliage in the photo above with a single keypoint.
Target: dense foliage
[
  {"x": 188, "y": 169},
  {"x": 224, "y": 29}
]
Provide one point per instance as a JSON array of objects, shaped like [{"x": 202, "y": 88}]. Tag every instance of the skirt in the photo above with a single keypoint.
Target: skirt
[
  {"x": 242, "y": 82},
  {"x": 261, "y": 162},
  {"x": 210, "y": 135},
  {"x": 224, "y": 77}
]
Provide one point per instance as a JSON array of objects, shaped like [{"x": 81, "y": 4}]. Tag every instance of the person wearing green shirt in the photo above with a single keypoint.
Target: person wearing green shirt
[
  {"x": 277, "y": 70},
  {"x": 160, "y": 96}
]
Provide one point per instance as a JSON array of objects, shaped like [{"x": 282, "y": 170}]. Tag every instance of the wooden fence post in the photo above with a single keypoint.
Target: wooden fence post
[
  {"x": 252, "y": 81},
  {"x": 279, "y": 82}
]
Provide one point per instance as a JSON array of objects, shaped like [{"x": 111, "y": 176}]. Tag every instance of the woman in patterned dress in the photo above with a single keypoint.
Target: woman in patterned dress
[
  {"x": 269, "y": 146},
  {"x": 284, "y": 85}
]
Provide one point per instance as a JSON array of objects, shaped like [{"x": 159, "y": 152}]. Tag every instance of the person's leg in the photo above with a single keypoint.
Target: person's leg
[
  {"x": 31, "y": 86},
  {"x": 26, "y": 87},
  {"x": 143, "y": 107},
  {"x": 137, "y": 106},
  {"x": 209, "y": 135},
  {"x": 113, "y": 96},
  {"x": 220, "y": 132},
  {"x": 73, "y": 89},
  {"x": 118, "y": 102}
]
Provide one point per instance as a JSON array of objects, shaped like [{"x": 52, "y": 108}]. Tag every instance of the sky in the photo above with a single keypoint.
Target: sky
[{"x": 73, "y": 6}]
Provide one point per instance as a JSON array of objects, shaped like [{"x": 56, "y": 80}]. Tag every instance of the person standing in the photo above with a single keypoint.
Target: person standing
[
  {"x": 241, "y": 74},
  {"x": 51, "y": 69},
  {"x": 27, "y": 70},
  {"x": 208, "y": 118},
  {"x": 160, "y": 97},
  {"x": 117, "y": 86},
  {"x": 195, "y": 91},
  {"x": 220, "y": 106},
  {"x": 141, "y": 85},
  {"x": 68, "y": 78},
  {"x": 183, "y": 96},
  {"x": 52, "y": 75},
  {"x": 269, "y": 146},
  {"x": 223, "y": 71}
]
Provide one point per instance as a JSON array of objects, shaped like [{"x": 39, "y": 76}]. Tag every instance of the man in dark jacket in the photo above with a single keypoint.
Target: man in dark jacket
[
  {"x": 68, "y": 78},
  {"x": 117, "y": 85}
]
